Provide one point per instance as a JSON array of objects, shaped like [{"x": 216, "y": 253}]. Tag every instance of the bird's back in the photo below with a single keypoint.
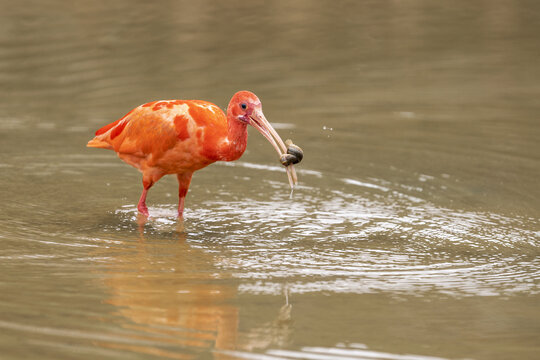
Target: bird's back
[{"x": 170, "y": 135}]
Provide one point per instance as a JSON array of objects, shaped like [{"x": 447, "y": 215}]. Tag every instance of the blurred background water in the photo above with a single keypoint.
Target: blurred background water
[{"x": 414, "y": 233}]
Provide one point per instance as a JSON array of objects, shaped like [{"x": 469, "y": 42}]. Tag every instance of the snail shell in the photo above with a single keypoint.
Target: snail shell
[
  {"x": 288, "y": 159},
  {"x": 295, "y": 150}
]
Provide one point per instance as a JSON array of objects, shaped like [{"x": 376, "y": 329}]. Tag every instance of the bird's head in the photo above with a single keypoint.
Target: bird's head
[{"x": 246, "y": 107}]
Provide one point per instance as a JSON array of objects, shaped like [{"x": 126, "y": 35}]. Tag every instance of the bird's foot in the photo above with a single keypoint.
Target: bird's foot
[
  {"x": 181, "y": 207},
  {"x": 143, "y": 209},
  {"x": 141, "y": 222},
  {"x": 181, "y": 211}
]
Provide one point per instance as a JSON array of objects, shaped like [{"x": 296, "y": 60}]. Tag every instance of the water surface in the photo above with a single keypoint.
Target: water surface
[{"x": 414, "y": 233}]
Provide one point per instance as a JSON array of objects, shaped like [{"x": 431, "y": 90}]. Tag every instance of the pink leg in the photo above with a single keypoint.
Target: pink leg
[
  {"x": 148, "y": 181},
  {"x": 183, "y": 184},
  {"x": 142, "y": 201}
]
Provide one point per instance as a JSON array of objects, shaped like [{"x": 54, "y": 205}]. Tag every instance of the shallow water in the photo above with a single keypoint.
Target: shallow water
[{"x": 414, "y": 233}]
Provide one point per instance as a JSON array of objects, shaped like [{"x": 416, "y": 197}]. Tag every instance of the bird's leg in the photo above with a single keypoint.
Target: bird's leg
[
  {"x": 141, "y": 206},
  {"x": 184, "y": 180},
  {"x": 149, "y": 179}
]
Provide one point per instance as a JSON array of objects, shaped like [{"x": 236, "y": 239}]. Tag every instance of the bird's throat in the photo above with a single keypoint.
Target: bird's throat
[{"x": 237, "y": 139}]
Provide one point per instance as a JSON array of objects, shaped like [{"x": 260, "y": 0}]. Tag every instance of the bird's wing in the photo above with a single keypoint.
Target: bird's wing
[{"x": 159, "y": 126}]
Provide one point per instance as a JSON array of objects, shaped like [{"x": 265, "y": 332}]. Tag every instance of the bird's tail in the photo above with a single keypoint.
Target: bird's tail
[{"x": 99, "y": 143}]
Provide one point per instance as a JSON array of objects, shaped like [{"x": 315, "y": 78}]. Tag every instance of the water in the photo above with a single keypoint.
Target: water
[{"x": 414, "y": 233}]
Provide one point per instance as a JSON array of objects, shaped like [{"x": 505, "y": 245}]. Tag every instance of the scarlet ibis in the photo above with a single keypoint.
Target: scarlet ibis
[{"x": 182, "y": 136}]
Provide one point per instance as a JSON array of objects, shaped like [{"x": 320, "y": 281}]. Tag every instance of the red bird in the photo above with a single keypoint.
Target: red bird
[{"x": 182, "y": 136}]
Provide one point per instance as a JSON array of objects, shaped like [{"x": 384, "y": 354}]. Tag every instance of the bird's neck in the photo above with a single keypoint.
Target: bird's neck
[{"x": 237, "y": 139}]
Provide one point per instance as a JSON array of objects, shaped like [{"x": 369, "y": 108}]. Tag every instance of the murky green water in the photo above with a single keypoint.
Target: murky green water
[{"x": 414, "y": 233}]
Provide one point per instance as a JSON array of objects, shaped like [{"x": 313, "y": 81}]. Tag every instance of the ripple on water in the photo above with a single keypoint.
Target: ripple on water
[
  {"x": 341, "y": 351},
  {"x": 350, "y": 242}
]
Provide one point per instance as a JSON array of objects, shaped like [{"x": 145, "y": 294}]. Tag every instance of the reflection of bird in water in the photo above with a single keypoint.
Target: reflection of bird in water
[{"x": 173, "y": 294}]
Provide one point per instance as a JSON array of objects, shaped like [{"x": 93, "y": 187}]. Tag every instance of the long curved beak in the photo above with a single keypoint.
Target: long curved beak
[{"x": 259, "y": 122}]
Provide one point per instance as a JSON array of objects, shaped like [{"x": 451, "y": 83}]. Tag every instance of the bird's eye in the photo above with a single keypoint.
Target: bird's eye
[{"x": 243, "y": 106}]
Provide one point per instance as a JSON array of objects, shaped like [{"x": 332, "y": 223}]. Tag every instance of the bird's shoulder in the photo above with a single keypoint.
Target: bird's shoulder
[{"x": 203, "y": 113}]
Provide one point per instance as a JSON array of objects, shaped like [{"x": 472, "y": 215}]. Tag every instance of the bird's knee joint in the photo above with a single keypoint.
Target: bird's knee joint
[{"x": 182, "y": 192}]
